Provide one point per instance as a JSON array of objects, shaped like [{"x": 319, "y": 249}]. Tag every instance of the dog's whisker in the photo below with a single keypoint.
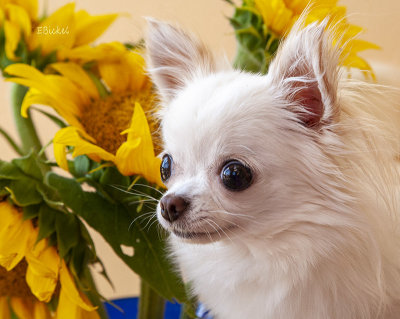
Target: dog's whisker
[
  {"x": 151, "y": 187},
  {"x": 141, "y": 194},
  {"x": 154, "y": 221},
  {"x": 221, "y": 229},
  {"x": 216, "y": 229},
  {"x": 232, "y": 214},
  {"x": 138, "y": 217},
  {"x": 143, "y": 201},
  {"x": 136, "y": 193}
]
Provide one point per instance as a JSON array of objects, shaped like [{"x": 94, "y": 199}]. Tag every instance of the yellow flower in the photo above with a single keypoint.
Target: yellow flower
[
  {"x": 116, "y": 127},
  {"x": 30, "y": 273},
  {"x": 280, "y": 15},
  {"x": 64, "y": 29}
]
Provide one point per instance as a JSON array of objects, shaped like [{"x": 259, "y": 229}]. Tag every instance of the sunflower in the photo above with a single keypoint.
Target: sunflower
[
  {"x": 109, "y": 114},
  {"x": 280, "y": 15},
  {"x": 64, "y": 29},
  {"x": 32, "y": 273}
]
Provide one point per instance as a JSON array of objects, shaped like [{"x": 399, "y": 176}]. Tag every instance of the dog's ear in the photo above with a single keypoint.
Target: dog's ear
[
  {"x": 174, "y": 57},
  {"x": 305, "y": 72}
]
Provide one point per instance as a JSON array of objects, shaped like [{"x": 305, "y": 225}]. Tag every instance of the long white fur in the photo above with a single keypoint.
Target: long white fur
[{"x": 316, "y": 234}]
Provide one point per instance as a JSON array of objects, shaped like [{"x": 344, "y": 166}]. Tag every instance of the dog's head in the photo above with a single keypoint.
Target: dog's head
[{"x": 242, "y": 151}]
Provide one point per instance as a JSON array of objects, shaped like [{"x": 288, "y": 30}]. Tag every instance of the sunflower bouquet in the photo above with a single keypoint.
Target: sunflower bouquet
[
  {"x": 260, "y": 25},
  {"x": 107, "y": 144},
  {"x": 106, "y": 168}
]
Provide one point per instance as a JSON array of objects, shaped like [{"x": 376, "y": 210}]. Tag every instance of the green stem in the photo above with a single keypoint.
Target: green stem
[
  {"x": 25, "y": 126},
  {"x": 151, "y": 305},
  {"x": 185, "y": 312},
  {"x": 93, "y": 296}
]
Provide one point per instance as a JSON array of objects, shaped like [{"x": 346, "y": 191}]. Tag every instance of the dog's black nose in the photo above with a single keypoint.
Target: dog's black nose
[{"x": 172, "y": 207}]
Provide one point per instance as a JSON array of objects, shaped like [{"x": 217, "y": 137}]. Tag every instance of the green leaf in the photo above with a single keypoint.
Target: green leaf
[
  {"x": 67, "y": 228},
  {"x": 11, "y": 142},
  {"x": 99, "y": 85},
  {"x": 95, "y": 171},
  {"x": 3, "y": 184},
  {"x": 82, "y": 165},
  {"x": 47, "y": 222},
  {"x": 31, "y": 212},
  {"x": 23, "y": 192},
  {"x": 254, "y": 51},
  {"x": 9, "y": 171},
  {"x": 40, "y": 61},
  {"x": 115, "y": 183},
  {"x": 22, "y": 51},
  {"x": 29, "y": 165},
  {"x": 80, "y": 258},
  {"x": 112, "y": 221},
  {"x": 49, "y": 195},
  {"x": 138, "y": 45}
]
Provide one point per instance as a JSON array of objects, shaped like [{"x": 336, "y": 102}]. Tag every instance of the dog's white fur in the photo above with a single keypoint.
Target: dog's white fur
[{"x": 316, "y": 234}]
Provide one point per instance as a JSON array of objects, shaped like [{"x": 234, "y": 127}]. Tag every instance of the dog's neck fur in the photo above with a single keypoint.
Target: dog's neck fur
[{"x": 327, "y": 245}]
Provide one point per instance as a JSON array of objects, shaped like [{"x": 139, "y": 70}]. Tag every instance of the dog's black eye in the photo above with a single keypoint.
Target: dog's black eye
[
  {"x": 165, "y": 167},
  {"x": 236, "y": 176}
]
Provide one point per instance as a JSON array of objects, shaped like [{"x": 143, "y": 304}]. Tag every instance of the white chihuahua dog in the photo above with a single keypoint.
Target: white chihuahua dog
[{"x": 282, "y": 197}]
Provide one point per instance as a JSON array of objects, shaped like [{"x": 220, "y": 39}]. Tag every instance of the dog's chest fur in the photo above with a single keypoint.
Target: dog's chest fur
[
  {"x": 239, "y": 281},
  {"x": 249, "y": 281}
]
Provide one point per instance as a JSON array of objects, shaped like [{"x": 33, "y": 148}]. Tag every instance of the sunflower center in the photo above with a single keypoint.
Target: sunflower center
[
  {"x": 106, "y": 118},
  {"x": 13, "y": 282}
]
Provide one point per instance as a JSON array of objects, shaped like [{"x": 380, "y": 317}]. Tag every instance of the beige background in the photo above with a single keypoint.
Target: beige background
[{"x": 207, "y": 18}]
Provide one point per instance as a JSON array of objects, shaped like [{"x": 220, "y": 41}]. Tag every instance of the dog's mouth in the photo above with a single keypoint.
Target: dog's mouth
[{"x": 205, "y": 236}]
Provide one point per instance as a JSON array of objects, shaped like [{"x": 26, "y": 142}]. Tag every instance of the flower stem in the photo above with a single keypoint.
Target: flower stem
[
  {"x": 93, "y": 296},
  {"x": 151, "y": 305},
  {"x": 25, "y": 127}
]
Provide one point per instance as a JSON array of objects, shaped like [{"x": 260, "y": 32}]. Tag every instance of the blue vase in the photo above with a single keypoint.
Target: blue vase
[{"x": 128, "y": 308}]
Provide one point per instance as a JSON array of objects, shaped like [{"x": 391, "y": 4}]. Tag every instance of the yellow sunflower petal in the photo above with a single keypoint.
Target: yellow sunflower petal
[
  {"x": 54, "y": 86},
  {"x": 298, "y": 6},
  {"x": 18, "y": 16},
  {"x": 138, "y": 79},
  {"x": 115, "y": 75},
  {"x": 72, "y": 104},
  {"x": 83, "y": 314},
  {"x": 25, "y": 71},
  {"x": 15, "y": 236},
  {"x": 136, "y": 155},
  {"x": 104, "y": 52},
  {"x": 31, "y": 7},
  {"x": 67, "y": 309},
  {"x": 77, "y": 74},
  {"x": 41, "y": 311},
  {"x": 13, "y": 35},
  {"x": 42, "y": 272},
  {"x": 354, "y": 61},
  {"x": 357, "y": 45},
  {"x": 22, "y": 307},
  {"x": 124, "y": 73},
  {"x": 71, "y": 136},
  {"x": 56, "y": 31},
  {"x": 71, "y": 292},
  {"x": 2, "y": 17},
  {"x": 282, "y": 19},
  {"x": 60, "y": 155},
  {"x": 89, "y": 28},
  {"x": 347, "y": 31},
  {"x": 33, "y": 96},
  {"x": 4, "y": 308},
  {"x": 266, "y": 10}
]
